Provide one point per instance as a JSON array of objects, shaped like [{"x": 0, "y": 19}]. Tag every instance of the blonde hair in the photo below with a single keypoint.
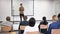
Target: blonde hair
[{"x": 54, "y": 17}]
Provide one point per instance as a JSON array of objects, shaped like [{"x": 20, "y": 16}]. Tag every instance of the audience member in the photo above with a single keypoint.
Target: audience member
[
  {"x": 24, "y": 23},
  {"x": 44, "y": 22},
  {"x": 54, "y": 25},
  {"x": 31, "y": 27},
  {"x": 7, "y": 22}
]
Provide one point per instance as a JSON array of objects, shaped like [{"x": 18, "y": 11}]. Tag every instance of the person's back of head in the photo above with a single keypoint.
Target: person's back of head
[
  {"x": 8, "y": 18},
  {"x": 44, "y": 18},
  {"x": 25, "y": 18},
  {"x": 59, "y": 16},
  {"x": 32, "y": 22},
  {"x": 21, "y": 4},
  {"x": 44, "y": 21},
  {"x": 54, "y": 18}
]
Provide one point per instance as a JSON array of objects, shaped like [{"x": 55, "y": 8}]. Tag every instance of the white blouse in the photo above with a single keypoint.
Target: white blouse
[
  {"x": 7, "y": 23},
  {"x": 30, "y": 29}
]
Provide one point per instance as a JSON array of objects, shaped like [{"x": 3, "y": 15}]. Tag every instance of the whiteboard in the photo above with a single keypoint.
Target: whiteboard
[
  {"x": 43, "y": 8},
  {"x": 27, "y": 4},
  {"x": 46, "y": 8}
]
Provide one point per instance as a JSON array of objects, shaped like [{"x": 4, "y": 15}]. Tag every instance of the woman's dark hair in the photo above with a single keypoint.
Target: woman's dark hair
[
  {"x": 45, "y": 21},
  {"x": 44, "y": 18},
  {"x": 58, "y": 15},
  {"x": 32, "y": 22}
]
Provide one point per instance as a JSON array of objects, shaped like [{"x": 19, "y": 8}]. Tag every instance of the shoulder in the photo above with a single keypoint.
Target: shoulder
[
  {"x": 54, "y": 24},
  {"x": 24, "y": 22},
  {"x": 41, "y": 22},
  {"x": 7, "y": 23},
  {"x": 28, "y": 28},
  {"x": 19, "y": 7}
]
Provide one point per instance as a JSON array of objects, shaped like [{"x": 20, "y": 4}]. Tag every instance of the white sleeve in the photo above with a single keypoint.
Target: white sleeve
[
  {"x": 3, "y": 23},
  {"x": 6, "y": 24}
]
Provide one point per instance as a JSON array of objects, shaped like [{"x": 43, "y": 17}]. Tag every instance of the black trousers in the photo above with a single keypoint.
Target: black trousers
[
  {"x": 43, "y": 31},
  {"x": 21, "y": 16},
  {"x": 21, "y": 31}
]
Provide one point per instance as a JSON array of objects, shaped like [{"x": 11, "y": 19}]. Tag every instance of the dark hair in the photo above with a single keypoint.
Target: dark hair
[
  {"x": 44, "y": 18},
  {"x": 8, "y": 18},
  {"x": 21, "y": 4},
  {"x": 59, "y": 15},
  {"x": 25, "y": 17},
  {"x": 32, "y": 22},
  {"x": 44, "y": 21}
]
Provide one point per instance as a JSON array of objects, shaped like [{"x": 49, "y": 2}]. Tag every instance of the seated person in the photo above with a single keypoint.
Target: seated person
[
  {"x": 31, "y": 27},
  {"x": 24, "y": 23},
  {"x": 54, "y": 18},
  {"x": 7, "y": 22},
  {"x": 44, "y": 22},
  {"x": 54, "y": 25}
]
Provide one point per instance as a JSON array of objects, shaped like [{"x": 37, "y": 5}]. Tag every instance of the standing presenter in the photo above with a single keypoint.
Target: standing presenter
[{"x": 21, "y": 11}]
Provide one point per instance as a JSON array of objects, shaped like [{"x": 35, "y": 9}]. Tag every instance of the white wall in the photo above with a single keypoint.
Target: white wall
[
  {"x": 57, "y": 6},
  {"x": 46, "y": 8},
  {"x": 5, "y": 9},
  {"x": 51, "y": 6},
  {"x": 43, "y": 8}
]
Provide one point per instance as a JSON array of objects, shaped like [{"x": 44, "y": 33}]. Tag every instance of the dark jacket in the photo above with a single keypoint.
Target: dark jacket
[
  {"x": 44, "y": 23},
  {"x": 24, "y": 23}
]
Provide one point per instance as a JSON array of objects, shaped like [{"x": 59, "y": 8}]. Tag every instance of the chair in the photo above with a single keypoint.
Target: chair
[
  {"x": 6, "y": 28},
  {"x": 9, "y": 33},
  {"x": 36, "y": 32},
  {"x": 13, "y": 33},
  {"x": 55, "y": 31},
  {"x": 43, "y": 26},
  {"x": 22, "y": 27}
]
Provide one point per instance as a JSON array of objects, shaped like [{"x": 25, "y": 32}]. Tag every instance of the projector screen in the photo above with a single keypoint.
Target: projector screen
[{"x": 27, "y": 4}]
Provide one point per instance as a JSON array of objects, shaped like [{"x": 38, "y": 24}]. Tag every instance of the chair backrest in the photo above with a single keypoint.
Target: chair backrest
[
  {"x": 36, "y": 32},
  {"x": 6, "y": 28},
  {"x": 13, "y": 33},
  {"x": 9, "y": 33},
  {"x": 55, "y": 31},
  {"x": 22, "y": 27},
  {"x": 43, "y": 26}
]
